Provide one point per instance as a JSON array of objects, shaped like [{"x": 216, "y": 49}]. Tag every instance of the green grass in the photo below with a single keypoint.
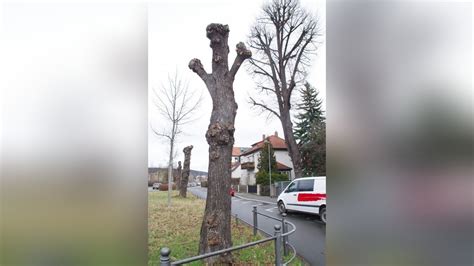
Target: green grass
[{"x": 178, "y": 227}]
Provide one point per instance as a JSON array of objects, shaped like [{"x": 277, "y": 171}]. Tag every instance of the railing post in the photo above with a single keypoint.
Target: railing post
[
  {"x": 165, "y": 256},
  {"x": 278, "y": 260},
  {"x": 284, "y": 229},
  {"x": 255, "y": 225}
]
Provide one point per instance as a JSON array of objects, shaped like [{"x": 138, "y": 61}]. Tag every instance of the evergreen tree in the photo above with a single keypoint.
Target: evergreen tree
[
  {"x": 263, "y": 176},
  {"x": 310, "y": 132},
  {"x": 313, "y": 152},
  {"x": 310, "y": 112},
  {"x": 263, "y": 159}
]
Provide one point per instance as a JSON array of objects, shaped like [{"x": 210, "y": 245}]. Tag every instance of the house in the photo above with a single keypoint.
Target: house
[
  {"x": 249, "y": 159},
  {"x": 235, "y": 164}
]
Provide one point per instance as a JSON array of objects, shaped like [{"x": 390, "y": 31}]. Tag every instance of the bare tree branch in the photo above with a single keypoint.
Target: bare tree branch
[
  {"x": 242, "y": 54},
  {"x": 196, "y": 66},
  {"x": 176, "y": 103},
  {"x": 159, "y": 133},
  {"x": 267, "y": 89},
  {"x": 264, "y": 106}
]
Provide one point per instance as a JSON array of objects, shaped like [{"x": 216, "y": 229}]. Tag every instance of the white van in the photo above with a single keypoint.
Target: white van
[{"x": 307, "y": 194}]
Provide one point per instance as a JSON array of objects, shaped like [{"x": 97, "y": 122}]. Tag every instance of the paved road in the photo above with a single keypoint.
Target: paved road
[{"x": 309, "y": 238}]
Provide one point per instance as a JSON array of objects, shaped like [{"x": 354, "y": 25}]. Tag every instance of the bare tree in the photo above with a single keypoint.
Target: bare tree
[
  {"x": 283, "y": 39},
  {"x": 176, "y": 104},
  {"x": 183, "y": 187},
  {"x": 215, "y": 228},
  {"x": 178, "y": 176}
]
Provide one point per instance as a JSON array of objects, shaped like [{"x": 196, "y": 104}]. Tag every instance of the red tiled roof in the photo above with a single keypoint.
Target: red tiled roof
[
  {"x": 277, "y": 143},
  {"x": 235, "y": 151},
  {"x": 282, "y": 167}
]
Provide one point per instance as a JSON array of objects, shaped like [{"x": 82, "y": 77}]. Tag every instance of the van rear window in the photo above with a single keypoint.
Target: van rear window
[{"x": 306, "y": 185}]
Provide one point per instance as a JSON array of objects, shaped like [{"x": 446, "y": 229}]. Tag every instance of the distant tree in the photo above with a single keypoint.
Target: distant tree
[
  {"x": 263, "y": 174},
  {"x": 183, "y": 187},
  {"x": 283, "y": 39},
  {"x": 310, "y": 132},
  {"x": 310, "y": 112},
  {"x": 177, "y": 104},
  {"x": 263, "y": 177},
  {"x": 313, "y": 153}
]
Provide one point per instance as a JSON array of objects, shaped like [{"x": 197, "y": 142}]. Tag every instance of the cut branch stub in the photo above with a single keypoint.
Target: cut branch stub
[
  {"x": 242, "y": 50},
  {"x": 216, "y": 33},
  {"x": 242, "y": 54},
  {"x": 219, "y": 35},
  {"x": 187, "y": 150},
  {"x": 196, "y": 66}
]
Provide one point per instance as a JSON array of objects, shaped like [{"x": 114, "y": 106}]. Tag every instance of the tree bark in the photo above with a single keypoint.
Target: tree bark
[
  {"x": 178, "y": 176},
  {"x": 170, "y": 171},
  {"x": 216, "y": 224},
  {"x": 183, "y": 187},
  {"x": 293, "y": 149}
]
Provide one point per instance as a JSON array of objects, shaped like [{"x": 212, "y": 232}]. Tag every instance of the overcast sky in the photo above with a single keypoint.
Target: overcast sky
[{"x": 176, "y": 35}]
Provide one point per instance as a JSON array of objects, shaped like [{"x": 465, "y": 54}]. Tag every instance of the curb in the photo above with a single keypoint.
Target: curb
[{"x": 262, "y": 201}]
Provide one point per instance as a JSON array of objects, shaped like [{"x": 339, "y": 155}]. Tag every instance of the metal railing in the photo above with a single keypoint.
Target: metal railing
[
  {"x": 284, "y": 226},
  {"x": 280, "y": 236}
]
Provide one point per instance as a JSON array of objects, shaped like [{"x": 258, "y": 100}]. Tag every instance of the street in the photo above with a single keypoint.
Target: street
[{"x": 309, "y": 238}]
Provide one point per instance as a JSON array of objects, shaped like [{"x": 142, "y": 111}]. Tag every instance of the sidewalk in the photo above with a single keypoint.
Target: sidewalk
[{"x": 255, "y": 197}]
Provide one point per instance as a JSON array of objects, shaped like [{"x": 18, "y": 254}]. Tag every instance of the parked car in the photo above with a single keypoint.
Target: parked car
[
  {"x": 306, "y": 194},
  {"x": 232, "y": 192},
  {"x": 156, "y": 186}
]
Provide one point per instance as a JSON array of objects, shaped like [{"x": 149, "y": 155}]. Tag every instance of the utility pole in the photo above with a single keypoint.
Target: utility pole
[{"x": 269, "y": 165}]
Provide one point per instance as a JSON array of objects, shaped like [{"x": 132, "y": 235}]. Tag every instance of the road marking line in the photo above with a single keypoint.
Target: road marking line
[
  {"x": 270, "y": 209},
  {"x": 261, "y": 201}
]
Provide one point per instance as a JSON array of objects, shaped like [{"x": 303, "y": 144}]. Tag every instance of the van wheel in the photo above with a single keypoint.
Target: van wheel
[
  {"x": 281, "y": 207},
  {"x": 322, "y": 214}
]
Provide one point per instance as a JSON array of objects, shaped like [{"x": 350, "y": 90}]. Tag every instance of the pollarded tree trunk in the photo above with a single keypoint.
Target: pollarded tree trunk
[
  {"x": 178, "y": 176},
  {"x": 183, "y": 187},
  {"x": 216, "y": 228}
]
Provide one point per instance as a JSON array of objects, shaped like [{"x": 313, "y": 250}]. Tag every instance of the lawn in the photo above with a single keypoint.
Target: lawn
[{"x": 178, "y": 228}]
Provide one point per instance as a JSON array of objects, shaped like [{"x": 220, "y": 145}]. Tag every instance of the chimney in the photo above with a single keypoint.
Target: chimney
[
  {"x": 263, "y": 137},
  {"x": 276, "y": 133}
]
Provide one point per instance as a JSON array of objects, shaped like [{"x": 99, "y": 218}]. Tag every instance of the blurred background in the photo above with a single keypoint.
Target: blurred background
[
  {"x": 400, "y": 133},
  {"x": 74, "y": 140}
]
